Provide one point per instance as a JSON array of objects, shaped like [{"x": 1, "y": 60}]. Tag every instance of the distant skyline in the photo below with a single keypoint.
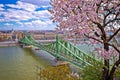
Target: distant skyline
[{"x": 25, "y": 15}]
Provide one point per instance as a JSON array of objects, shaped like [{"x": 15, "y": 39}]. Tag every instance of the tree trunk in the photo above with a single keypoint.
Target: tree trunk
[
  {"x": 106, "y": 69},
  {"x": 107, "y": 73},
  {"x": 111, "y": 75},
  {"x": 106, "y": 65}
]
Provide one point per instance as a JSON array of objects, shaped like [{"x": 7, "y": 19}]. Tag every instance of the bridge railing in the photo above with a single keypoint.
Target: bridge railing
[
  {"x": 74, "y": 51},
  {"x": 81, "y": 54}
]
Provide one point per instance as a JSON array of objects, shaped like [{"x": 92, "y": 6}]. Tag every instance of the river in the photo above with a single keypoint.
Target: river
[{"x": 19, "y": 64}]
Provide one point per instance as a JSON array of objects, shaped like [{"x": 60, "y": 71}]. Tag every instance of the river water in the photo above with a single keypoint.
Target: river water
[{"x": 19, "y": 64}]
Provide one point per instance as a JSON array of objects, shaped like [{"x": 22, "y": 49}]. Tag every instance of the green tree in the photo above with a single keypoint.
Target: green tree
[{"x": 61, "y": 72}]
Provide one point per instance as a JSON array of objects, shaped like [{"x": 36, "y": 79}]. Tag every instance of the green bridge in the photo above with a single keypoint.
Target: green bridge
[{"x": 63, "y": 50}]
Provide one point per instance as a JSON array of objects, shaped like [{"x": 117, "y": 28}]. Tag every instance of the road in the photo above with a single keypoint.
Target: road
[{"x": 8, "y": 43}]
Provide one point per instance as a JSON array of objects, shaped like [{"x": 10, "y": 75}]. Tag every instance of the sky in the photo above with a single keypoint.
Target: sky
[{"x": 25, "y": 15}]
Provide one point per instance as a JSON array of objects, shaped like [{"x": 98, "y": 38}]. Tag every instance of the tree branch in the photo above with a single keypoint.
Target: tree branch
[
  {"x": 113, "y": 35},
  {"x": 93, "y": 38},
  {"x": 105, "y": 16},
  {"x": 111, "y": 21},
  {"x": 102, "y": 30},
  {"x": 98, "y": 25},
  {"x": 114, "y": 68},
  {"x": 112, "y": 45},
  {"x": 98, "y": 7}
]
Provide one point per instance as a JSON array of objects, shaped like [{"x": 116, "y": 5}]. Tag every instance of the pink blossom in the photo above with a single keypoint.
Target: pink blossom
[
  {"x": 72, "y": 15},
  {"x": 107, "y": 54}
]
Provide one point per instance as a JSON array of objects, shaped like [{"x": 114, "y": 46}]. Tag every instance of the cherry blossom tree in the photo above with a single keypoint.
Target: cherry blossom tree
[{"x": 98, "y": 20}]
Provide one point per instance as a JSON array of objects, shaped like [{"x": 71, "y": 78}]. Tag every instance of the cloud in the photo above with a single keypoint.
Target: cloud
[
  {"x": 38, "y": 2},
  {"x": 19, "y": 23},
  {"x": 37, "y": 24},
  {"x": 34, "y": 25},
  {"x": 23, "y": 11},
  {"x": 1, "y": 7},
  {"x": 8, "y": 24},
  {"x": 15, "y": 15},
  {"x": 23, "y": 5},
  {"x": 27, "y": 15},
  {"x": 42, "y": 14}
]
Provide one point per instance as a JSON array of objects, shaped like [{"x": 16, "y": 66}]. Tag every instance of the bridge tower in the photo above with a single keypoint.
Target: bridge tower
[{"x": 57, "y": 46}]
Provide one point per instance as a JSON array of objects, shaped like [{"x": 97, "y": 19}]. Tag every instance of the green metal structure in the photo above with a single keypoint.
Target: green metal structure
[{"x": 63, "y": 50}]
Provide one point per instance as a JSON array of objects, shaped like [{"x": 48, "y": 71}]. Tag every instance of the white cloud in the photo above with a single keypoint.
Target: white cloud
[
  {"x": 8, "y": 24},
  {"x": 17, "y": 15},
  {"x": 28, "y": 24},
  {"x": 19, "y": 23},
  {"x": 24, "y": 11},
  {"x": 37, "y": 2},
  {"x": 1, "y": 7},
  {"x": 42, "y": 14},
  {"x": 33, "y": 25},
  {"x": 25, "y": 16},
  {"x": 37, "y": 24},
  {"x": 24, "y": 6}
]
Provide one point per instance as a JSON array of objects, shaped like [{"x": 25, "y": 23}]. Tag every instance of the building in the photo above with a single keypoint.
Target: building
[
  {"x": 11, "y": 35},
  {"x": 50, "y": 35},
  {"x": 5, "y": 36}
]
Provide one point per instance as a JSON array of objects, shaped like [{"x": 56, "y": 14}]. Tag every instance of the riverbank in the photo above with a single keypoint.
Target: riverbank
[{"x": 8, "y": 43}]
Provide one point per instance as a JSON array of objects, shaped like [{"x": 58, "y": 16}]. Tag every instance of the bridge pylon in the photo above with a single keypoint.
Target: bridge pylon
[{"x": 57, "y": 47}]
